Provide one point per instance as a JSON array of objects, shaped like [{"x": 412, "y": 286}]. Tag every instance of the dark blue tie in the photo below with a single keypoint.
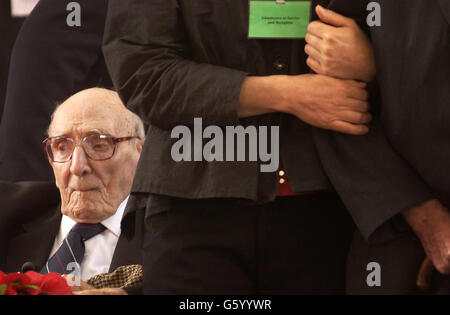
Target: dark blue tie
[{"x": 72, "y": 248}]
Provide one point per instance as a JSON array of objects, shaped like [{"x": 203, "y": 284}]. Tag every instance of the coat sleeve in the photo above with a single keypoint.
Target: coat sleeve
[
  {"x": 373, "y": 180},
  {"x": 375, "y": 183},
  {"x": 147, "y": 52}
]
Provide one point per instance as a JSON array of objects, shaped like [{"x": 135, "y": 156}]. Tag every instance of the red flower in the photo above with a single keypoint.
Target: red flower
[
  {"x": 51, "y": 283},
  {"x": 19, "y": 283},
  {"x": 33, "y": 283}
]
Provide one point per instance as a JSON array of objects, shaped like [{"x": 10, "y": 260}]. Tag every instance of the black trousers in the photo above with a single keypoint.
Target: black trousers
[
  {"x": 293, "y": 245},
  {"x": 399, "y": 260}
]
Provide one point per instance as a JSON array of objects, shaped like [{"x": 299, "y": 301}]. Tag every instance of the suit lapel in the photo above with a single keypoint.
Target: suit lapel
[
  {"x": 34, "y": 243},
  {"x": 128, "y": 249}
]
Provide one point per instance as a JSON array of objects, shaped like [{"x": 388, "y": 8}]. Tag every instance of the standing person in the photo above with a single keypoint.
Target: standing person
[
  {"x": 225, "y": 227},
  {"x": 51, "y": 60},
  {"x": 9, "y": 27},
  {"x": 413, "y": 72}
]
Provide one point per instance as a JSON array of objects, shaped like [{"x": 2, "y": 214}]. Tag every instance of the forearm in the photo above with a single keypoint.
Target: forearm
[{"x": 261, "y": 95}]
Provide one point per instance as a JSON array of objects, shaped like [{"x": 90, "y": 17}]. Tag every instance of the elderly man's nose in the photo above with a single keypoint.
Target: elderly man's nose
[{"x": 79, "y": 163}]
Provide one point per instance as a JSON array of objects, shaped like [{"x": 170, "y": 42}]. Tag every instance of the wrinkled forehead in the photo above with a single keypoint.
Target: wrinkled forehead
[{"x": 78, "y": 121}]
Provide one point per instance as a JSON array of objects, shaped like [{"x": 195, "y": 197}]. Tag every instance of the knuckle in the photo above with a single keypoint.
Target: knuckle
[
  {"x": 366, "y": 106},
  {"x": 307, "y": 37},
  {"x": 323, "y": 118},
  {"x": 326, "y": 69},
  {"x": 310, "y": 64},
  {"x": 328, "y": 38},
  {"x": 328, "y": 50},
  {"x": 342, "y": 91},
  {"x": 360, "y": 118},
  {"x": 327, "y": 61},
  {"x": 447, "y": 258},
  {"x": 307, "y": 49},
  {"x": 365, "y": 95}
]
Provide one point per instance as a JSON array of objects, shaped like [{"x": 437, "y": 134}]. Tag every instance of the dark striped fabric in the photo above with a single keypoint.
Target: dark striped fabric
[{"x": 72, "y": 249}]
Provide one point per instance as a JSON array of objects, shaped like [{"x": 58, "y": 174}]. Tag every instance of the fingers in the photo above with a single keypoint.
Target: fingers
[
  {"x": 313, "y": 41},
  {"x": 318, "y": 28},
  {"x": 104, "y": 291},
  {"x": 357, "y": 106},
  {"x": 348, "y": 128},
  {"x": 333, "y": 18},
  {"x": 356, "y": 84},
  {"x": 357, "y": 93},
  {"x": 312, "y": 52},
  {"x": 355, "y": 117},
  {"x": 314, "y": 65},
  {"x": 87, "y": 292}
]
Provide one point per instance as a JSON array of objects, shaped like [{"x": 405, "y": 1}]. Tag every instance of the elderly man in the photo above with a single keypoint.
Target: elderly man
[{"x": 94, "y": 145}]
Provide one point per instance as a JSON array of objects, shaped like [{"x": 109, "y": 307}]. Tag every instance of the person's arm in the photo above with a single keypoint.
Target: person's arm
[
  {"x": 431, "y": 223},
  {"x": 150, "y": 60},
  {"x": 321, "y": 101},
  {"x": 336, "y": 46},
  {"x": 383, "y": 185}
]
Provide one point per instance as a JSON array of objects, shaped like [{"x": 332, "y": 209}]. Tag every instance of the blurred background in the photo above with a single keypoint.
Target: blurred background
[{"x": 9, "y": 27}]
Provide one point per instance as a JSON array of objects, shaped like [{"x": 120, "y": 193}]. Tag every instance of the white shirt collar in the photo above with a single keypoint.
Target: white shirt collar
[{"x": 112, "y": 223}]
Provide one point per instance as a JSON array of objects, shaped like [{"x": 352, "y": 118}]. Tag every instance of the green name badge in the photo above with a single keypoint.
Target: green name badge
[{"x": 279, "y": 19}]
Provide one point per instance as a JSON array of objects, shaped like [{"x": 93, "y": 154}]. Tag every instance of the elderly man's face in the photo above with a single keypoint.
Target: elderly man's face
[{"x": 91, "y": 191}]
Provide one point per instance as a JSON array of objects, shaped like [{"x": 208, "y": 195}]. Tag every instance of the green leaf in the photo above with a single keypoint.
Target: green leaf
[
  {"x": 3, "y": 289},
  {"x": 16, "y": 283},
  {"x": 31, "y": 286}
]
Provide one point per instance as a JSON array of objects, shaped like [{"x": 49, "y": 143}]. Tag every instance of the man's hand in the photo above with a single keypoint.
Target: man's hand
[
  {"x": 339, "y": 48},
  {"x": 105, "y": 291},
  {"x": 321, "y": 101},
  {"x": 431, "y": 222},
  {"x": 75, "y": 288},
  {"x": 328, "y": 103}
]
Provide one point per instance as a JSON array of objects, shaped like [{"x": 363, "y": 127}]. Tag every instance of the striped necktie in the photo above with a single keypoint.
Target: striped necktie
[{"x": 72, "y": 249}]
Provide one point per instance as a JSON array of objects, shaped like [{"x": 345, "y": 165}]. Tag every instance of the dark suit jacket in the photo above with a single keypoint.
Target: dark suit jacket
[
  {"x": 9, "y": 27},
  {"x": 173, "y": 60},
  {"x": 50, "y": 62},
  {"x": 412, "y": 50},
  {"x": 30, "y": 218}
]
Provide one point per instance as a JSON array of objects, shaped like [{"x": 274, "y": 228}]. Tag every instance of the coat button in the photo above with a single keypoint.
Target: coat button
[{"x": 279, "y": 64}]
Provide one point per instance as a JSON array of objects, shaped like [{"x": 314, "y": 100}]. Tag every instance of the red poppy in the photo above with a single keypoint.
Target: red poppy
[{"x": 33, "y": 283}]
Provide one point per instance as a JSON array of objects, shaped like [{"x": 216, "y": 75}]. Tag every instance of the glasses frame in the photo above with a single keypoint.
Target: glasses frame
[{"x": 114, "y": 140}]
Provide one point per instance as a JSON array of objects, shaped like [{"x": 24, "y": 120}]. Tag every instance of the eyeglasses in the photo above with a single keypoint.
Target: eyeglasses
[{"x": 96, "y": 146}]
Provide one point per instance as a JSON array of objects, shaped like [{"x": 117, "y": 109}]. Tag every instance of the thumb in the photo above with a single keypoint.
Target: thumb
[{"x": 333, "y": 18}]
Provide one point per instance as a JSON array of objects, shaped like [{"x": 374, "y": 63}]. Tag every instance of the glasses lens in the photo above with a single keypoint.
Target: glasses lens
[
  {"x": 60, "y": 149},
  {"x": 98, "y": 147}
]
